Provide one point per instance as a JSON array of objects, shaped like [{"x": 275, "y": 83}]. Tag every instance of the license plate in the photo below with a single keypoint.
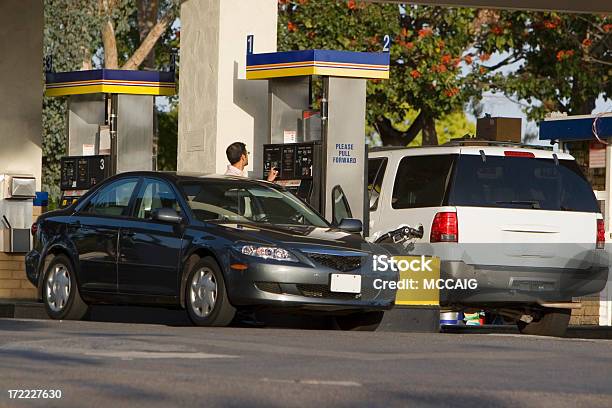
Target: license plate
[{"x": 345, "y": 283}]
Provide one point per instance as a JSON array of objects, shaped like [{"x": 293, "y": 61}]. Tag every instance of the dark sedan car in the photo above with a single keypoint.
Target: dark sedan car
[{"x": 209, "y": 244}]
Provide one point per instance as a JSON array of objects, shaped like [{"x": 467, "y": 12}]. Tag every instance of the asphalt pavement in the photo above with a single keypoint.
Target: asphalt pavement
[{"x": 108, "y": 364}]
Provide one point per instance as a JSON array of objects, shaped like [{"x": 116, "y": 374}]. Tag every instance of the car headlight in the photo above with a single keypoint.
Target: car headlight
[{"x": 266, "y": 252}]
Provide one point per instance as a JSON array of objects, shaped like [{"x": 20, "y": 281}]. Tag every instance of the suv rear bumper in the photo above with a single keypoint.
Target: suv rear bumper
[{"x": 499, "y": 284}]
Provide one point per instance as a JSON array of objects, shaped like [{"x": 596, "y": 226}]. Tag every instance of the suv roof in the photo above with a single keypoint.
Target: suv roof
[
  {"x": 464, "y": 143},
  {"x": 469, "y": 147}
]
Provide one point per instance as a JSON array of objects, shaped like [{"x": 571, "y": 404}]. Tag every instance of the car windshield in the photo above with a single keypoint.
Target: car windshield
[{"x": 243, "y": 201}]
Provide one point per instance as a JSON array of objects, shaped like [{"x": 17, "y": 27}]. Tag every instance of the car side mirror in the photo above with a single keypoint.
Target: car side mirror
[
  {"x": 168, "y": 215},
  {"x": 350, "y": 225}
]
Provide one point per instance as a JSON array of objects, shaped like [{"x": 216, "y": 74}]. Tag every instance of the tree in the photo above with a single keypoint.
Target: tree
[
  {"x": 154, "y": 17},
  {"x": 427, "y": 55},
  {"x": 564, "y": 60}
]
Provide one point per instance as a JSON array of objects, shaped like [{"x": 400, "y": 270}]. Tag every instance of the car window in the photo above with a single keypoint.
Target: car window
[
  {"x": 421, "y": 181},
  {"x": 521, "y": 182},
  {"x": 340, "y": 205},
  {"x": 376, "y": 172},
  {"x": 112, "y": 200},
  {"x": 224, "y": 200},
  {"x": 153, "y": 195}
]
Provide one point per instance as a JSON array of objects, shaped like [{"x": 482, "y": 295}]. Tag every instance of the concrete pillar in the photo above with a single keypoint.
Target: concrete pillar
[
  {"x": 21, "y": 86},
  {"x": 218, "y": 105},
  {"x": 21, "y": 89}
]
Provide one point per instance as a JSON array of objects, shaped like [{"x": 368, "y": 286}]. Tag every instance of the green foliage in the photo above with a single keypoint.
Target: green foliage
[
  {"x": 427, "y": 52},
  {"x": 565, "y": 59},
  {"x": 167, "y": 125}
]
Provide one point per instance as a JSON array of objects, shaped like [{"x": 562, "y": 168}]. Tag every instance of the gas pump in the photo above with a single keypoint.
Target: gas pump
[
  {"x": 320, "y": 153},
  {"x": 110, "y": 123}
]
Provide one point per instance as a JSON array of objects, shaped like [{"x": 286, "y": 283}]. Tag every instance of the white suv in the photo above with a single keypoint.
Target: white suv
[{"x": 521, "y": 220}]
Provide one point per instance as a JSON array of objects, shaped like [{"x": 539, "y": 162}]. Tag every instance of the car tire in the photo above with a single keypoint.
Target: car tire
[
  {"x": 553, "y": 322},
  {"x": 361, "y": 321},
  {"x": 60, "y": 291},
  {"x": 205, "y": 285}
]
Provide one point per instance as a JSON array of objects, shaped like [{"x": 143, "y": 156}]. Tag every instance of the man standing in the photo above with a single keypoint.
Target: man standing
[{"x": 238, "y": 156}]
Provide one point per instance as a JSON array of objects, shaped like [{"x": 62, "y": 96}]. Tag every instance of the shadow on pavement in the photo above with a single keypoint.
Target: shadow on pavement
[
  {"x": 178, "y": 318},
  {"x": 573, "y": 332}
]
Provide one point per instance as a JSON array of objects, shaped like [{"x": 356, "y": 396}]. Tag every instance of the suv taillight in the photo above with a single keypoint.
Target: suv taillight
[
  {"x": 34, "y": 229},
  {"x": 444, "y": 228},
  {"x": 601, "y": 234}
]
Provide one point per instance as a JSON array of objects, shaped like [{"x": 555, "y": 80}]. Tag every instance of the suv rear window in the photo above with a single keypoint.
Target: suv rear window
[
  {"x": 421, "y": 181},
  {"x": 521, "y": 182}
]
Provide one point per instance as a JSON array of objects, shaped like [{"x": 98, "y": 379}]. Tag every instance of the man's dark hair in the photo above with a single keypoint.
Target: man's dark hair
[{"x": 234, "y": 151}]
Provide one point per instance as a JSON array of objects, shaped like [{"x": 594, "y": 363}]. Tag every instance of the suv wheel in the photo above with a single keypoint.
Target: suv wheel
[
  {"x": 61, "y": 292},
  {"x": 205, "y": 297},
  {"x": 362, "y": 321},
  {"x": 553, "y": 322}
]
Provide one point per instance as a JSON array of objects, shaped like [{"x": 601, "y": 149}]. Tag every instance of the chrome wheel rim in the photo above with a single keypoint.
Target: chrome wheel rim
[
  {"x": 58, "y": 287},
  {"x": 203, "y": 293}
]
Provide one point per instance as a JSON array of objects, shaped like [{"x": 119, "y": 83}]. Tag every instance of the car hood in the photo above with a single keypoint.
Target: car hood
[{"x": 296, "y": 236}]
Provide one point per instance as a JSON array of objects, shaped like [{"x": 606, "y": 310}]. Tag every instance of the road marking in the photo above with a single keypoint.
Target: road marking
[
  {"x": 315, "y": 382},
  {"x": 130, "y": 355}
]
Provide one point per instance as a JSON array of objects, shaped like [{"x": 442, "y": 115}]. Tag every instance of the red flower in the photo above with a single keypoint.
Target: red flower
[
  {"x": 446, "y": 59},
  {"x": 468, "y": 59},
  {"x": 485, "y": 56},
  {"x": 424, "y": 32},
  {"x": 607, "y": 28},
  {"x": 291, "y": 27},
  {"x": 482, "y": 70},
  {"x": 409, "y": 45},
  {"x": 564, "y": 54},
  {"x": 587, "y": 42},
  {"x": 497, "y": 30},
  {"x": 351, "y": 4},
  {"x": 560, "y": 55},
  {"x": 451, "y": 92},
  {"x": 415, "y": 74},
  {"x": 442, "y": 68},
  {"x": 551, "y": 25}
]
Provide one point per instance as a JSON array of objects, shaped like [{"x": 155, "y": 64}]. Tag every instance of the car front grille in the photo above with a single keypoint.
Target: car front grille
[
  {"x": 337, "y": 262},
  {"x": 322, "y": 291}
]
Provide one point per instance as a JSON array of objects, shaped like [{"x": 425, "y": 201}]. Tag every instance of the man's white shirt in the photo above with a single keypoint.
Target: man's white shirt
[{"x": 234, "y": 171}]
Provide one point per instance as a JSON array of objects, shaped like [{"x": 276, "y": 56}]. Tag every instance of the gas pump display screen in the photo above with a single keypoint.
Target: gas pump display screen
[
  {"x": 294, "y": 161},
  {"x": 83, "y": 172},
  {"x": 287, "y": 169}
]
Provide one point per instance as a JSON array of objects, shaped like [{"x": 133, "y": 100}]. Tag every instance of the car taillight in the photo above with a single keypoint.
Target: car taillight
[
  {"x": 34, "y": 229},
  {"x": 515, "y": 153},
  {"x": 601, "y": 234},
  {"x": 444, "y": 228}
]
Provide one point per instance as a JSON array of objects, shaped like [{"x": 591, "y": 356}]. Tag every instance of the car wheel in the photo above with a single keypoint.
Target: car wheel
[
  {"x": 362, "y": 321},
  {"x": 206, "y": 298},
  {"x": 553, "y": 322},
  {"x": 60, "y": 291}
]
